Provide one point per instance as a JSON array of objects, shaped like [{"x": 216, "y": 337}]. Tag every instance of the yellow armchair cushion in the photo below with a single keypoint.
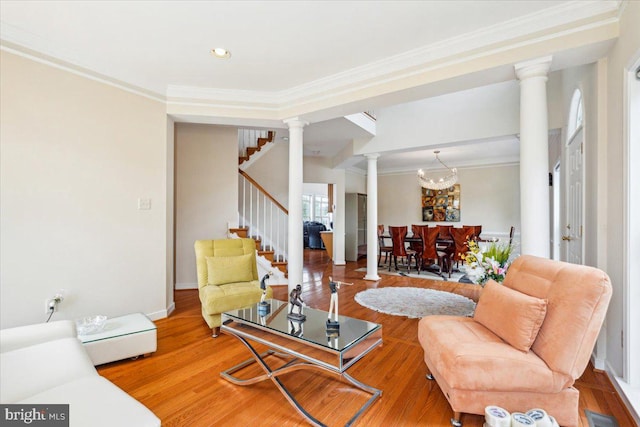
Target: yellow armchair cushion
[
  {"x": 218, "y": 299},
  {"x": 229, "y": 269}
]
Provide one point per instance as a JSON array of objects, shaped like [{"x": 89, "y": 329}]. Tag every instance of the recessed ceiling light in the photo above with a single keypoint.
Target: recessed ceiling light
[{"x": 221, "y": 53}]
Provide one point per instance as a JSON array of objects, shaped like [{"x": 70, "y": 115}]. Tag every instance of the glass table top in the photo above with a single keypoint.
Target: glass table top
[
  {"x": 119, "y": 326},
  {"x": 312, "y": 330}
]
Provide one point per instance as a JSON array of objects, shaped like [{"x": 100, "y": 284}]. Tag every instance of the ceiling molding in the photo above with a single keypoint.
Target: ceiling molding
[
  {"x": 561, "y": 20},
  {"x": 409, "y": 170}
]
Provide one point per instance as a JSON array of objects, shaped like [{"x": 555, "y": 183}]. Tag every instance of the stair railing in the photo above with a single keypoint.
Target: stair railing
[{"x": 263, "y": 215}]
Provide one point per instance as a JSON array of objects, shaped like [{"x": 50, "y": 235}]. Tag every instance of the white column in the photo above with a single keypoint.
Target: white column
[
  {"x": 372, "y": 217},
  {"x": 296, "y": 245},
  {"x": 534, "y": 157}
]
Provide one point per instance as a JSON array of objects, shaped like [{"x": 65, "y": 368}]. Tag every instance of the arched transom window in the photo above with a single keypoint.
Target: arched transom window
[{"x": 576, "y": 113}]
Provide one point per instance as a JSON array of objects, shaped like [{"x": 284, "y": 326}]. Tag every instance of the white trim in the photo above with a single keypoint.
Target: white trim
[
  {"x": 171, "y": 309},
  {"x": 161, "y": 314},
  {"x": 78, "y": 71},
  {"x": 183, "y": 286},
  {"x": 413, "y": 170},
  {"x": 455, "y": 50},
  {"x": 630, "y": 397}
]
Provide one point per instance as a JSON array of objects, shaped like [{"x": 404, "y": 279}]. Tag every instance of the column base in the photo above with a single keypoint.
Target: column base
[{"x": 372, "y": 277}]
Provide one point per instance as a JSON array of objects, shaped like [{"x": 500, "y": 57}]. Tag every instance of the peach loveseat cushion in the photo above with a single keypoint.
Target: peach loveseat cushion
[
  {"x": 513, "y": 316},
  {"x": 465, "y": 346}
]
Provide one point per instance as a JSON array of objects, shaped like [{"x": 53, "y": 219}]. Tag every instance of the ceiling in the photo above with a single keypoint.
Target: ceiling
[{"x": 279, "y": 49}]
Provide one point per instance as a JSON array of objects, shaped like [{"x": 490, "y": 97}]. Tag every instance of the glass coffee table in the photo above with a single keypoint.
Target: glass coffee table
[{"x": 307, "y": 345}]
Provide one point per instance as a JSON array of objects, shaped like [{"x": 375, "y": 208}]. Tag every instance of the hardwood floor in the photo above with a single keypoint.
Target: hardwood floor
[{"x": 181, "y": 382}]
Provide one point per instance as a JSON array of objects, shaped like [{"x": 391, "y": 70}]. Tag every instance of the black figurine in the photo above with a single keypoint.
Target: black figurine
[
  {"x": 295, "y": 300},
  {"x": 263, "y": 306}
]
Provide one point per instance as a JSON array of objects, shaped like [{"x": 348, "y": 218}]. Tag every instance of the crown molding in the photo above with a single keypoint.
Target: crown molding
[
  {"x": 563, "y": 19},
  {"x": 552, "y": 22},
  {"x": 9, "y": 47},
  {"x": 412, "y": 171}
]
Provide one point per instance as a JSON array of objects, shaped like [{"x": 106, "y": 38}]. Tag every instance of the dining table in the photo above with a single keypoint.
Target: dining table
[{"x": 442, "y": 245}]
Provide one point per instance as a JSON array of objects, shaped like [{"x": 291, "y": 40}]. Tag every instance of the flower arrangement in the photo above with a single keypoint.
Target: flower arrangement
[{"x": 491, "y": 262}]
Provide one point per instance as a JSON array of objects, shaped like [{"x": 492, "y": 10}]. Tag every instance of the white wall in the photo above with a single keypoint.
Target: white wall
[
  {"x": 355, "y": 182},
  {"x": 206, "y": 191},
  {"x": 271, "y": 171},
  {"x": 488, "y": 196},
  {"x": 76, "y": 155},
  {"x": 621, "y": 55}
]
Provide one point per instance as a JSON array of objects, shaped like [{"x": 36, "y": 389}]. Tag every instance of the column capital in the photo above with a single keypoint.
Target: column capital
[
  {"x": 295, "y": 122},
  {"x": 372, "y": 156},
  {"x": 538, "y": 67}
]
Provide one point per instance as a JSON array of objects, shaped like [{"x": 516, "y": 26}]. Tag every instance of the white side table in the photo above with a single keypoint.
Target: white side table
[{"x": 122, "y": 337}]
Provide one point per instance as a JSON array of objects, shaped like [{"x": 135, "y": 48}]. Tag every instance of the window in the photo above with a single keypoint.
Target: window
[
  {"x": 315, "y": 207},
  {"x": 321, "y": 210},
  {"x": 576, "y": 113},
  {"x": 307, "y": 200}
]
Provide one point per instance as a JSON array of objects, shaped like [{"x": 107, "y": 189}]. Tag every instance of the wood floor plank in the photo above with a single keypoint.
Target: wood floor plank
[{"x": 181, "y": 382}]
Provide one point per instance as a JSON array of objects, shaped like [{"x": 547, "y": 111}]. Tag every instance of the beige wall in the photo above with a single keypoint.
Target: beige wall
[
  {"x": 206, "y": 191},
  {"x": 76, "y": 155},
  {"x": 271, "y": 171},
  {"x": 488, "y": 196}
]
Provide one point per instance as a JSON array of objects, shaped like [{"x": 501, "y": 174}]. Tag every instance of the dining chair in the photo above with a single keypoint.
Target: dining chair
[
  {"x": 461, "y": 237},
  {"x": 398, "y": 234},
  {"x": 477, "y": 229},
  {"x": 444, "y": 231},
  {"x": 382, "y": 246},
  {"x": 431, "y": 252},
  {"x": 416, "y": 231}
]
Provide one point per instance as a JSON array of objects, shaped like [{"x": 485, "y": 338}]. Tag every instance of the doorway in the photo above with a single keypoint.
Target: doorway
[{"x": 572, "y": 237}]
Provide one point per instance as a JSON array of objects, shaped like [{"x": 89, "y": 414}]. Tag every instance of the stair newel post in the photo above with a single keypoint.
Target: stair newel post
[{"x": 271, "y": 231}]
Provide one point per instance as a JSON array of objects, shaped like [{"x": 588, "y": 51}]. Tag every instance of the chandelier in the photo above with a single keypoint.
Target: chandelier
[{"x": 433, "y": 182}]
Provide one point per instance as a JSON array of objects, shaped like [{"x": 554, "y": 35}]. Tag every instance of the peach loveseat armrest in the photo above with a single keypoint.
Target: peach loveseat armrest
[{"x": 25, "y": 336}]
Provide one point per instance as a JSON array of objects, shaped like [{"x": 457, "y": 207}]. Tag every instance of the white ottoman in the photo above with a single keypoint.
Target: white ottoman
[{"x": 122, "y": 337}]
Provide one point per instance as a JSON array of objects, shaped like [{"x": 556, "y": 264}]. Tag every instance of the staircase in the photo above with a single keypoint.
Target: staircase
[
  {"x": 260, "y": 216},
  {"x": 268, "y": 254},
  {"x": 251, "y": 141}
]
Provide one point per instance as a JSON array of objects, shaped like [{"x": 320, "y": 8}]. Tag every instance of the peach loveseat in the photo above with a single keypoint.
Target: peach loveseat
[{"x": 528, "y": 342}]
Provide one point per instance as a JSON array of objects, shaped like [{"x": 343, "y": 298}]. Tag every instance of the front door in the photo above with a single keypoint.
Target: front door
[{"x": 572, "y": 237}]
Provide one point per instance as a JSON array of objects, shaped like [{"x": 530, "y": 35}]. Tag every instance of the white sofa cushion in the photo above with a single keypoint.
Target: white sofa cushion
[
  {"x": 24, "y": 336},
  {"x": 29, "y": 370},
  {"x": 96, "y": 402}
]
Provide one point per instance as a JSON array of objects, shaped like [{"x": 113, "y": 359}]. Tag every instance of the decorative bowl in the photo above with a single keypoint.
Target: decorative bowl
[{"x": 90, "y": 325}]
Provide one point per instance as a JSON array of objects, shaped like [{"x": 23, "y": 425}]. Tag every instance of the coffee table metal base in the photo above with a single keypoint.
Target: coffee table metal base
[{"x": 293, "y": 365}]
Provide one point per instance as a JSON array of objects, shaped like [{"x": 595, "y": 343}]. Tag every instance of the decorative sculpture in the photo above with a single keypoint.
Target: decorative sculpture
[
  {"x": 296, "y": 328},
  {"x": 295, "y": 300},
  {"x": 263, "y": 306},
  {"x": 334, "y": 286}
]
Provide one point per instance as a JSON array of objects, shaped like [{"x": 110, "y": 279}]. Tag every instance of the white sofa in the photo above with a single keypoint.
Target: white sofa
[{"x": 46, "y": 364}]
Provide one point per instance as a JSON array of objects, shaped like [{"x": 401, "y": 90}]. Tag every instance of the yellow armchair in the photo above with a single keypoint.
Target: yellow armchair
[{"x": 227, "y": 277}]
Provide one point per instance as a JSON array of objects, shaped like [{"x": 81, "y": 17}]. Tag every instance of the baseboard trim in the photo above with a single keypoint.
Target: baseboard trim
[{"x": 181, "y": 286}]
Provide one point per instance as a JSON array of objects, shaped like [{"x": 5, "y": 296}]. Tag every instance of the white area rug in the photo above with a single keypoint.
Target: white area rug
[{"x": 415, "y": 302}]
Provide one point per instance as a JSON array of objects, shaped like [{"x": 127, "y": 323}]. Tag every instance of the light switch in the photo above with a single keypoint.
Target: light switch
[{"x": 144, "y": 204}]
